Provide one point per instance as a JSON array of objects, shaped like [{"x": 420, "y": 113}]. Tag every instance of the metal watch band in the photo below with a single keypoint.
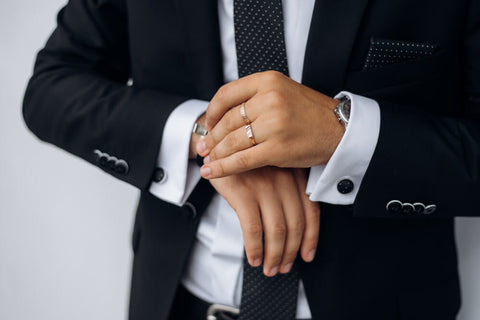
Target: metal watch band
[{"x": 342, "y": 111}]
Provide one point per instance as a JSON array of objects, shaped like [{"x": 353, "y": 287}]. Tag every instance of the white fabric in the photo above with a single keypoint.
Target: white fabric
[
  {"x": 214, "y": 272},
  {"x": 173, "y": 156},
  {"x": 352, "y": 156}
]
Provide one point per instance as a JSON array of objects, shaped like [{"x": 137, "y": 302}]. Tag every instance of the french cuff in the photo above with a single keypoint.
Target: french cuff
[
  {"x": 339, "y": 180},
  {"x": 180, "y": 174}
]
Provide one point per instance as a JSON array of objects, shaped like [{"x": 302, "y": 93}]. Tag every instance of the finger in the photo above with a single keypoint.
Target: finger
[
  {"x": 312, "y": 218},
  {"x": 228, "y": 96},
  {"x": 252, "y": 229},
  {"x": 312, "y": 229},
  {"x": 237, "y": 140},
  {"x": 231, "y": 121},
  {"x": 275, "y": 231},
  {"x": 242, "y": 161},
  {"x": 295, "y": 220}
]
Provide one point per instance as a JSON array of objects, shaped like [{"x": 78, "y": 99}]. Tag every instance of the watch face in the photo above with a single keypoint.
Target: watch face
[{"x": 345, "y": 110}]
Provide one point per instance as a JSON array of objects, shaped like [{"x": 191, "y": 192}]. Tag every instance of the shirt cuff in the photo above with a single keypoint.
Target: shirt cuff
[
  {"x": 352, "y": 156},
  {"x": 181, "y": 175}
]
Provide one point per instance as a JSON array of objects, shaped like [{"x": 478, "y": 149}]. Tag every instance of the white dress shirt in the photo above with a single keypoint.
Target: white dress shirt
[{"x": 214, "y": 272}]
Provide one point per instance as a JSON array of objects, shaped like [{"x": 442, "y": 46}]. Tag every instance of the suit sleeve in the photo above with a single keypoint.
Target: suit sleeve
[
  {"x": 79, "y": 100},
  {"x": 429, "y": 159}
]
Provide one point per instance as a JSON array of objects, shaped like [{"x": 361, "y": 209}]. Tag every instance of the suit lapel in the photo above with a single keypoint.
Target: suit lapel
[
  {"x": 332, "y": 34},
  {"x": 202, "y": 36}
]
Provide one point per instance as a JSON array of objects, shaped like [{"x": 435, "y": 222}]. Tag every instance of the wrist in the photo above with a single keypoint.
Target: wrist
[{"x": 335, "y": 132}]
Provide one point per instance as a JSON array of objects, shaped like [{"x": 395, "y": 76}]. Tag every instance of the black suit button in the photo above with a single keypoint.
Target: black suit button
[
  {"x": 430, "y": 209},
  {"x": 190, "y": 210},
  {"x": 103, "y": 160},
  {"x": 121, "y": 167},
  {"x": 408, "y": 208},
  {"x": 345, "y": 186},
  {"x": 97, "y": 154},
  {"x": 111, "y": 163},
  {"x": 394, "y": 206},
  {"x": 419, "y": 207},
  {"x": 159, "y": 175}
]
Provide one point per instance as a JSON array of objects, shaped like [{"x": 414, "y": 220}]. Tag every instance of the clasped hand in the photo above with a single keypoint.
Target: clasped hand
[{"x": 293, "y": 127}]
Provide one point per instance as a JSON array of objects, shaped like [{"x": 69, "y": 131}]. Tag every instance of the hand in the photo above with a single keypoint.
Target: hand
[
  {"x": 272, "y": 201},
  {"x": 293, "y": 125}
]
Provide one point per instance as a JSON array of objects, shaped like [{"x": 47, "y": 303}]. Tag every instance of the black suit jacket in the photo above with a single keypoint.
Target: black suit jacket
[{"x": 371, "y": 264}]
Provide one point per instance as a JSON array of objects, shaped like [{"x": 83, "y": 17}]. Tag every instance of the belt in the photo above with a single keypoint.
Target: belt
[{"x": 186, "y": 306}]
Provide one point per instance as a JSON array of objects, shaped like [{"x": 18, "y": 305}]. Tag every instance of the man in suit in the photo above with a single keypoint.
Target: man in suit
[{"x": 120, "y": 83}]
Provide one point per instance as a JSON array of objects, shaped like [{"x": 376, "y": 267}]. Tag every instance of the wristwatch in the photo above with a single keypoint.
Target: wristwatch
[
  {"x": 342, "y": 111},
  {"x": 200, "y": 130}
]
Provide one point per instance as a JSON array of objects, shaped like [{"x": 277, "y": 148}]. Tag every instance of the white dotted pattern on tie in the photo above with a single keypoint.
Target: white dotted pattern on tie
[
  {"x": 282, "y": 291},
  {"x": 260, "y": 42},
  {"x": 259, "y": 36}
]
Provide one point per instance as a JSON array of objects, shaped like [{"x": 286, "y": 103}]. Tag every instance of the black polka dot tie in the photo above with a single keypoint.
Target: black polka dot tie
[
  {"x": 260, "y": 43},
  {"x": 259, "y": 36}
]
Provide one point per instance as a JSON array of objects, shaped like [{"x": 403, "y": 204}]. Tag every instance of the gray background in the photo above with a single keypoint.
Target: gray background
[{"x": 65, "y": 226}]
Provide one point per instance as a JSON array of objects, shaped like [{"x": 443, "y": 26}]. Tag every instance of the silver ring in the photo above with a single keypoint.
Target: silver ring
[{"x": 243, "y": 113}]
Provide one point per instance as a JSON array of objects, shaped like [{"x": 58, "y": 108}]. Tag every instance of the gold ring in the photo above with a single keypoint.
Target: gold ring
[
  {"x": 243, "y": 113},
  {"x": 250, "y": 134}
]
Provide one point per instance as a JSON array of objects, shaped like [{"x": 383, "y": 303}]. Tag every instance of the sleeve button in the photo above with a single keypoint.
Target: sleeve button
[
  {"x": 430, "y": 209},
  {"x": 419, "y": 207},
  {"x": 97, "y": 154},
  {"x": 111, "y": 163},
  {"x": 394, "y": 206},
  {"x": 121, "y": 167},
  {"x": 408, "y": 208},
  {"x": 103, "y": 160}
]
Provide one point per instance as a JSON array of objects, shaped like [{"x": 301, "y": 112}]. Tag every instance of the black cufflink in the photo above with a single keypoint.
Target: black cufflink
[
  {"x": 345, "y": 186},
  {"x": 159, "y": 175}
]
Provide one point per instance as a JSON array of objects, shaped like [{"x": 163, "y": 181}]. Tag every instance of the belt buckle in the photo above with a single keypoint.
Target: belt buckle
[{"x": 214, "y": 309}]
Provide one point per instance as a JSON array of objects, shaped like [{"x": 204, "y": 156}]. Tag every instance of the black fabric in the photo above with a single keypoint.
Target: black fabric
[
  {"x": 260, "y": 42},
  {"x": 370, "y": 264}
]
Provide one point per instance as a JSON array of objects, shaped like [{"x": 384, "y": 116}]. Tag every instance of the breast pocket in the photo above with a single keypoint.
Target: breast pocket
[{"x": 388, "y": 69}]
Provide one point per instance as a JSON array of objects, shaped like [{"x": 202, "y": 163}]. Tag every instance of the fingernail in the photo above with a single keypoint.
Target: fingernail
[
  {"x": 206, "y": 160},
  {"x": 311, "y": 255},
  {"x": 286, "y": 268},
  {"x": 257, "y": 262},
  {"x": 273, "y": 271},
  {"x": 201, "y": 147},
  {"x": 205, "y": 172}
]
